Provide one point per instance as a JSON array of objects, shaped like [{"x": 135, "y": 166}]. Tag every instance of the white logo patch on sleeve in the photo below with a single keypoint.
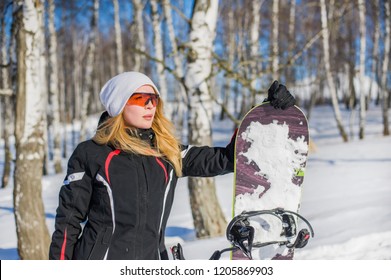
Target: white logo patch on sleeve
[{"x": 74, "y": 177}]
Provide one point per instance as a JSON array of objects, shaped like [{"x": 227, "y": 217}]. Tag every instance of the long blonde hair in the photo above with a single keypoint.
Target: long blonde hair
[{"x": 116, "y": 133}]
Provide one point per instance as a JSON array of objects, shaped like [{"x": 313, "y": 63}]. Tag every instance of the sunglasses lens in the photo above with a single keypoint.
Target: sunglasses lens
[
  {"x": 153, "y": 99},
  {"x": 142, "y": 99}
]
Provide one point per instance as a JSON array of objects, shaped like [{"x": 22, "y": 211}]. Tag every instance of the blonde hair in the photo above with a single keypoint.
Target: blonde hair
[{"x": 116, "y": 133}]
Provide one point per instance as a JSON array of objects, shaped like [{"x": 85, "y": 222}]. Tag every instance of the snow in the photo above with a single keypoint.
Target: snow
[
  {"x": 278, "y": 162},
  {"x": 346, "y": 197}
]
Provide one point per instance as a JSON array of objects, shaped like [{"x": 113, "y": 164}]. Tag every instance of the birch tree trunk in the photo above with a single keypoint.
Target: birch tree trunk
[
  {"x": 385, "y": 68},
  {"x": 158, "y": 44},
  {"x": 329, "y": 78},
  {"x": 33, "y": 235},
  {"x": 8, "y": 107},
  {"x": 118, "y": 39},
  {"x": 89, "y": 71},
  {"x": 254, "y": 46},
  {"x": 361, "y": 9},
  {"x": 350, "y": 96},
  {"x": 375, "y": 49},
  {"x": 231, "y": 43},
  {"x": 208, "y": 217},
  {"x": 8, "y": 111},
  {"x": 139, "y": 60},
  {"x": 180, "y": 94},
  {"x": 240, "y": 106},
  {"x": 290, "y": 77},
  {"x": 54, "y": 89},
  {"x": 274, "y": 39},
  {"x": 77, "y": 86},
  {"x": 8, "y": 129}
]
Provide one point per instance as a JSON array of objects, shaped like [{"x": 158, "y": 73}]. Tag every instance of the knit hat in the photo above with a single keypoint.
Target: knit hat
[{"x": 116, "y": 92}]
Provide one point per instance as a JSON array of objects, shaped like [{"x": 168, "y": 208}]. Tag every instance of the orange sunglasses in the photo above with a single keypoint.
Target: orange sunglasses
[{"x": 143, "y": 98}]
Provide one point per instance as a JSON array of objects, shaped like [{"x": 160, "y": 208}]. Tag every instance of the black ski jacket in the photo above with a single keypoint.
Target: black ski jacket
[{"x": 115, "y": 205}]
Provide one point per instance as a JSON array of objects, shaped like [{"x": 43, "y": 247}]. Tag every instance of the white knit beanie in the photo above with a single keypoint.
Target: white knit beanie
[{"x": 116, "y": 92}]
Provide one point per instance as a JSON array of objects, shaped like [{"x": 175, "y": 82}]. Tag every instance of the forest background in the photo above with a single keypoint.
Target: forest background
[{"x": 203, "y": 55}]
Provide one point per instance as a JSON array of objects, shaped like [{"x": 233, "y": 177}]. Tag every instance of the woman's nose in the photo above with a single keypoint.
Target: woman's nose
[{"x": 148, "y": 103}]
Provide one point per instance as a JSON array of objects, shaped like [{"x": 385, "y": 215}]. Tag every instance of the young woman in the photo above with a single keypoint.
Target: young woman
[{"x": 121, "y": 183}]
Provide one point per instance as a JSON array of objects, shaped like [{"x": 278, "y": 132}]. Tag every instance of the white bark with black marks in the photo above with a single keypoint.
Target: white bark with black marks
[
  {"x": 54, "y": 89},
  {"x": 329, "y": 77},
  {"x": 208, "y": 217},
  {"x": 32, "y": 232}
]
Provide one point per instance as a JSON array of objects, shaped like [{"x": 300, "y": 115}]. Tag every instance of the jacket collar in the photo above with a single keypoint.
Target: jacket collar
[{"x": 147, "y": 135}]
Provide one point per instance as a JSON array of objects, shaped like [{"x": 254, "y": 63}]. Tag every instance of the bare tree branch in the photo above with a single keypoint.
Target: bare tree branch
[{"x": 6, "y": 92}]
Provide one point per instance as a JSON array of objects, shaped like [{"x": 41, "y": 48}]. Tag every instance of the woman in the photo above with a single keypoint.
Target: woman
[{"x": 121, "y": 183}]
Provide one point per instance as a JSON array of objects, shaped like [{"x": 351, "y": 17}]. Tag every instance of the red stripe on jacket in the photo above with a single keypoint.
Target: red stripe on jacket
[
  {"x": 64, "y": 245},
  {"x": 107, "y": 163},
  {"x": 164, "y": 168}
]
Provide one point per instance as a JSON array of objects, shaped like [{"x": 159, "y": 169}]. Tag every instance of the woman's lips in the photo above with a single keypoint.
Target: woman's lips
[{"x": 148, "y": 117}]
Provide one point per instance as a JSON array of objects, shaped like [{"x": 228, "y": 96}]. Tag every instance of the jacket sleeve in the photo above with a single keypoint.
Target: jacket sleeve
[
  {"x": 207, "y": 161},
  {"x": 74, "y": 199}
]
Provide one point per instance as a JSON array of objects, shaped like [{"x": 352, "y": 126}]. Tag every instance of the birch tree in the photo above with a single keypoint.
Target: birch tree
[
  {"x": 158, "y": 45},
  {"x": 230, "y": 44},
  {"x": 138, "y": 24},
  {"x": 274, "y": 39},
  {"x": 329, "y": 77},
  {"x": 385, "y": 67},
  {"x": 208, "y": 217},
  {"x": 375, "y": 49},
  {"x": 118, "y": 39},
  {"x": 180, "y": 94},
  {"x": 363, "y": 34},
  {"x": 89, "y": 70},
  {"x": 254, "y": 46},
  {"x": 32, "y": 233},
  {"x": 54, "y": 88},
  {"x": 8, "y": 98},
  {"x": 350, "y": 68},
  {"x": 291, "y": 39}
]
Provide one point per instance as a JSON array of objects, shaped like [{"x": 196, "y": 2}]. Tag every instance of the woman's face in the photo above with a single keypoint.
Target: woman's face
[{"x": 140, "y": 109}]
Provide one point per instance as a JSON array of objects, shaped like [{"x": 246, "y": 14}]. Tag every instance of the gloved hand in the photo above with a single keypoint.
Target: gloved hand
[{"x": 279, "y": 96}]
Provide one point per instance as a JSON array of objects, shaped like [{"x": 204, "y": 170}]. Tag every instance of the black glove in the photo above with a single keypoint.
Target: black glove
[{"x": 280, "y": 97}]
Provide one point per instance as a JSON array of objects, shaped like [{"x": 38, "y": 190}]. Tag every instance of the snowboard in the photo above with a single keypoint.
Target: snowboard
[{"x": 270, "y": 158}]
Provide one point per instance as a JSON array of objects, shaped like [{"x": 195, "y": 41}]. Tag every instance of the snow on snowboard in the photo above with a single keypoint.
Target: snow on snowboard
[{"x": 271, "y": 152}]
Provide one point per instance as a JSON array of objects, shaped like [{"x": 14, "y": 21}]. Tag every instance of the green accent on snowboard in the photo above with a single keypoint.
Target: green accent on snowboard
[{"x": 299, "y": 172}]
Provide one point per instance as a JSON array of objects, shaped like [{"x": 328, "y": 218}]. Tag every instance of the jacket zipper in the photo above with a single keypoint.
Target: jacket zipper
[
  {"x": 168, "y": 188},
  {"x": 143, "y": 208}
]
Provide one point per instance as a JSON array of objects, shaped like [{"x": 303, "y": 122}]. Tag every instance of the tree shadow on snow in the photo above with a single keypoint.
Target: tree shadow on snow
[
  {"x": 187, "y": 234},
  {"x": 9, "y": 254}
]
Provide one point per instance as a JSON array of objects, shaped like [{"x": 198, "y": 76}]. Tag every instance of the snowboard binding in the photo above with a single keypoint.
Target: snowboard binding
[
  {"x": 241, "y": 234},
  {"x": 240, "y": 224},
  {"x": 177, "y": 252}
]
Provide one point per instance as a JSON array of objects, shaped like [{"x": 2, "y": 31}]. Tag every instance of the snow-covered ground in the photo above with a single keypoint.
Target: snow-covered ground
[{"x": 347, "y": 196}]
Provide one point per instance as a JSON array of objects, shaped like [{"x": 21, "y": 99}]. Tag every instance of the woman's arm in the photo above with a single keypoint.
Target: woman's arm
[
  {"x": 74, "y": 200},
  {"x": 208, "y": 161}
]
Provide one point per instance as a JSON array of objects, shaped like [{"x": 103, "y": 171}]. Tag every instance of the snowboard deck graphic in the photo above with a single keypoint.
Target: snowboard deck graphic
[{"x": 270, "y": 154}]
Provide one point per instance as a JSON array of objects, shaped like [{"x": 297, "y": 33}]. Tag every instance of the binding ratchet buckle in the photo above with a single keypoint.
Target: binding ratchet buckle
[{"x": 241, "y": 235}]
